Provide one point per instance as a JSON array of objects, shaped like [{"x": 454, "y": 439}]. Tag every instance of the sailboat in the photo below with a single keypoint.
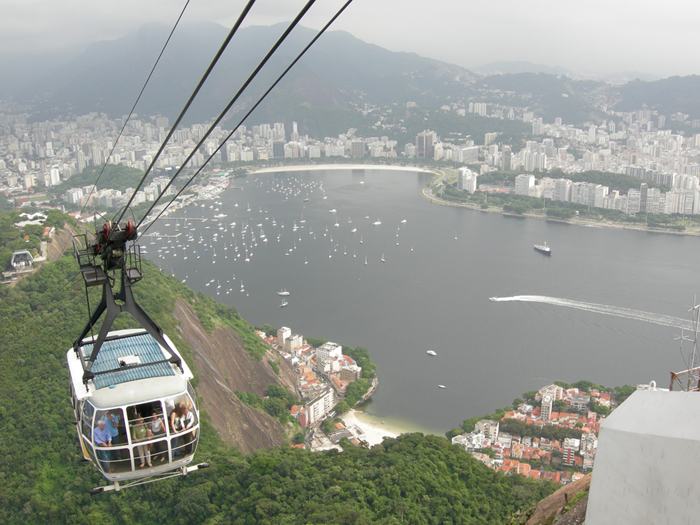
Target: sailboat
[{"x": 543, "y": 248}]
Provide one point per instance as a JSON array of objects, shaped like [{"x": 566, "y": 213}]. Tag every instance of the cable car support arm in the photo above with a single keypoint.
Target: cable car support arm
[{"x": 123, "y": 264}]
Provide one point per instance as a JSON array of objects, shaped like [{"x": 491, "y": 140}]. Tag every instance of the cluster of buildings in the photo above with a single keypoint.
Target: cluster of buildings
[
  {"x": 111, "y": 198},
  {"x": 323, "y": 374},
  {"x": 36, "y": 156},
  {"x": 531, "y": 454},
  {"x": 683, "y": 198}
]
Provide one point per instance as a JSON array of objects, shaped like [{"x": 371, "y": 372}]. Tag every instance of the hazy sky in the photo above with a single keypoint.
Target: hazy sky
[{"x": 591, "y": 36}]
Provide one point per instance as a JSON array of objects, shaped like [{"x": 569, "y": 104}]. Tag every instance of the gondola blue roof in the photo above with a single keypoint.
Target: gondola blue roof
[{"x": 142, "y": 346}]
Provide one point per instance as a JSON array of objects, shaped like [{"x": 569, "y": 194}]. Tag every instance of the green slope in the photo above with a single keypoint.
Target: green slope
[{"x": 413, "y": 479}]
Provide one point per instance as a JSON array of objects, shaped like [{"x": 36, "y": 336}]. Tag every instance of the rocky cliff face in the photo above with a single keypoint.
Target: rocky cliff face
[
  {"x": 567, "y": 506},
  {"x": 224, "y": 367}
]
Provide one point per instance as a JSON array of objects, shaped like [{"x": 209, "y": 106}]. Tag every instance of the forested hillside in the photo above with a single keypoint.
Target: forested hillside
[{"x": 413, "y": 479}]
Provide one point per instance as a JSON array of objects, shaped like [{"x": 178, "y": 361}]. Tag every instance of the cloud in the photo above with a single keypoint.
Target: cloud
[{"x": 596, "y": 35}]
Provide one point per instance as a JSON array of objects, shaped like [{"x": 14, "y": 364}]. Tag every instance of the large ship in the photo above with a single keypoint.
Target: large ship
[{"x": 543, "y": 248}]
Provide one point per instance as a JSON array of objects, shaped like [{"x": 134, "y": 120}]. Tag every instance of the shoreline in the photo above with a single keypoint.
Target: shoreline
[
  {"x": 339, "y": 167},
  {"x": 375, "y": 429},
  {"x": 428, "y": 194}
]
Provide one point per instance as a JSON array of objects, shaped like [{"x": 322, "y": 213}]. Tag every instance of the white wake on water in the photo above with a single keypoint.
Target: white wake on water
[{"x": 603, "y": 309}]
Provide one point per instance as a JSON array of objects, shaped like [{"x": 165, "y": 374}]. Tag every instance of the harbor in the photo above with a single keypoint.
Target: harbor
[{"x": 447, "y": 259}]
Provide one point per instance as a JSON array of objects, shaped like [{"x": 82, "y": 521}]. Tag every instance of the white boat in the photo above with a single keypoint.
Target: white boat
[
  {"x": 377, "y": 223},
  {"x": 442, "y": 386},
  {"x": 403, "y": 221},
  {"x": 283, "y": 292},
  {"x": 543, "y": 248},
  {"x": 431, "y": 352},
  {"x": 382, "y": 259},
  {"x": 365, "y": 260},
  {"x": 283, "y": 304}
]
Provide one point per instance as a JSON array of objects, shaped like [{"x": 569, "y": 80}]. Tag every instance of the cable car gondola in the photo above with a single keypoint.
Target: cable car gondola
[{"x": 135, "y": 409}]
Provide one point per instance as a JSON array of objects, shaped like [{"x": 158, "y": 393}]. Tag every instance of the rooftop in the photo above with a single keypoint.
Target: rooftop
[
  {"x": 128, "y": 385},
  {"x": 138, "y": 348}
]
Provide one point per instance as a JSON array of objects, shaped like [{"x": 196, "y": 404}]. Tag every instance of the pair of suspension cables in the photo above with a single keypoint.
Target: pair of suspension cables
[{"x": 278, "y": 43}]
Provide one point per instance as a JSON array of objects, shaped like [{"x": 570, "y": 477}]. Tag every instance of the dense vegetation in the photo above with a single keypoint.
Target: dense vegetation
[
  {"x": 115, "y": 176},
  {"x": 277, "y": 402},
  {"x": 668, "y": 95},
  {"x": 413, "y": 479},
  {"x": 550, "y": 96},
  {"x": 519, "y": 428}
]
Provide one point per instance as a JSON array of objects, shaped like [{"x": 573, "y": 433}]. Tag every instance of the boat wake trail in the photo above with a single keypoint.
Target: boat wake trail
[{"x": 603, "y": 309}]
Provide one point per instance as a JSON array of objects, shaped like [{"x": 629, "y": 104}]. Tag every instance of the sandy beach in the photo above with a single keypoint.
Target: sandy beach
[
  {"x": 339, "y": 166},
  {"x": 376, "y": 429}
]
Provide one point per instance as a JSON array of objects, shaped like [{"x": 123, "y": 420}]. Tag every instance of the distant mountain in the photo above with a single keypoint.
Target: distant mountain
[
  {"x": 548, "y": 95},
  {"x": 340, "y": 72},
  {"x": 324, "y": 92},
  {"x": 505, "y": 67},
  {"x": 623, "y": 77},
  {"x": 669, "y": 95}
]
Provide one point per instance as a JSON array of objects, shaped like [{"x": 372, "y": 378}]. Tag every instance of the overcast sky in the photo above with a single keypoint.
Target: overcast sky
[{"x": 591, "y": 36}]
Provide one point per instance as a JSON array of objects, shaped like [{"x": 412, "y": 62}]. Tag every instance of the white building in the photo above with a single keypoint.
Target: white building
[
  {"x": 633, "y": 202},
  {"x": 489, "y": 428},
  {"x": 571, "y": 447},
  {"x": 546, "y": 408},
  {"x": 554, "y": 391},
  {"x": 73, "y": 195},
  {"x": 293, "y": 343},
  {"x": 320, "y": 406},
  {"x": 469, "y": 155},
  {"x": 283, "y": 333},
  {"x": 328, "y": 356},
  {"x": 524, "y": 184},
  {"x": 562, "y": 190},
  {"x": 470, "y": 441},
  {"x": 467, "y": 180}
]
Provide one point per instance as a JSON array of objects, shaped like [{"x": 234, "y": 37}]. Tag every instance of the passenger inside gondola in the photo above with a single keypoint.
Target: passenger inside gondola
[
  {"x": 140, "y": 433},
  {"x": 146, "y": 424},
  {"x": 102, "y": 438},
  {"x": 181, "y": 419},
  {"x": 115, "y": 426},
  {"x": 117, "y": 459}
]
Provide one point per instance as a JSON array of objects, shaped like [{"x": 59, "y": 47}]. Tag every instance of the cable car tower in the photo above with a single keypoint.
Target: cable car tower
[{"x": 135, "y": 409}]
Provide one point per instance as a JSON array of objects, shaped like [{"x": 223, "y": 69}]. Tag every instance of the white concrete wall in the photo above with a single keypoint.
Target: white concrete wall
[{"x": 647, "y": 469}]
